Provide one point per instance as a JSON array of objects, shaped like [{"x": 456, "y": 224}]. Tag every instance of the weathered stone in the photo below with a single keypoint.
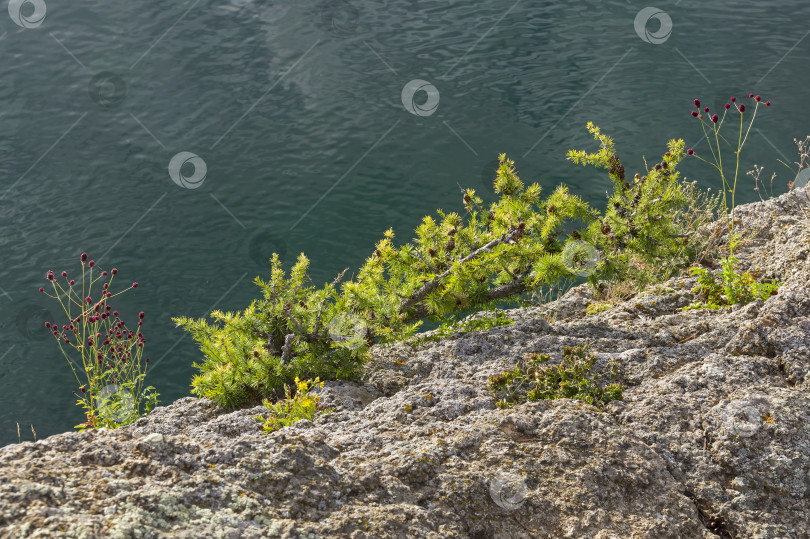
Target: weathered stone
[{"x": 713, "y": 432}]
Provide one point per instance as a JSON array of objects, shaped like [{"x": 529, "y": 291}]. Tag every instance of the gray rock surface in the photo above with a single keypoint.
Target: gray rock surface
[{"x": 714, "y": 427}]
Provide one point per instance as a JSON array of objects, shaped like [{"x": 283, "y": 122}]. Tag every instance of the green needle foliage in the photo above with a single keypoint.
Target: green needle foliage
[
  {"x": 292, "y": 331},
  {"x": 530, "y": 380},
  {"x": 456, "y": 262},
  {"x": 650, "y": 227}
]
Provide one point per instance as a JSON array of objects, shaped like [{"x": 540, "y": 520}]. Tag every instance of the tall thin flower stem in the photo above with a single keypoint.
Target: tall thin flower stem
[
  {"x": 110, "y": 352},
  {"x": 717, "y": 155}
]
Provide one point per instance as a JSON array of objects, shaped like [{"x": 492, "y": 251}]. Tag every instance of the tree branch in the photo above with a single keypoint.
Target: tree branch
[
  {"x": 274, "y": 351},
  {"x": 426, "y": 263},
  {"x": 323, "y": 303},
  {"x": 288, "y": 312},
  {"x": 420, "y": 294},
  {"x": 518, "y": 286},
  {"x": 286, "y": 351}
]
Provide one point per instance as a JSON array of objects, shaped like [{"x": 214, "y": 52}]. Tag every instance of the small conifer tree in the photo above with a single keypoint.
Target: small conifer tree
[{"x": 455, "y": 262}]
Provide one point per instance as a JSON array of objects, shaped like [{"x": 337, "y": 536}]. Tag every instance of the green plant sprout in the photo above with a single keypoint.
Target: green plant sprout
[
  {"x": 531, "y": 380},
  {"x": 597, "y": 307},
  {"x": 294, "y": 408},
  {"x": 734, "y": 288}
]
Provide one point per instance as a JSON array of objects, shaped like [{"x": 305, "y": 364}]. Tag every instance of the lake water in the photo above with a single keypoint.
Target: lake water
[{"x": 185, "y": 142}]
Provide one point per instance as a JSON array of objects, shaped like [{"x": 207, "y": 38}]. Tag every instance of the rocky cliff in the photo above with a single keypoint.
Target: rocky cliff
[{"x": 712, "y": 438}]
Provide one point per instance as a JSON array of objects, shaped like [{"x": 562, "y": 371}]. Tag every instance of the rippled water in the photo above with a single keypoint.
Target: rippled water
[{"x": 296, "y": 111}]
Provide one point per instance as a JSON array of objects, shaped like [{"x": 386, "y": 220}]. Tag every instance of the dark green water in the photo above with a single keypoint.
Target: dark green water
[{"x": 296, "y": 110}]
